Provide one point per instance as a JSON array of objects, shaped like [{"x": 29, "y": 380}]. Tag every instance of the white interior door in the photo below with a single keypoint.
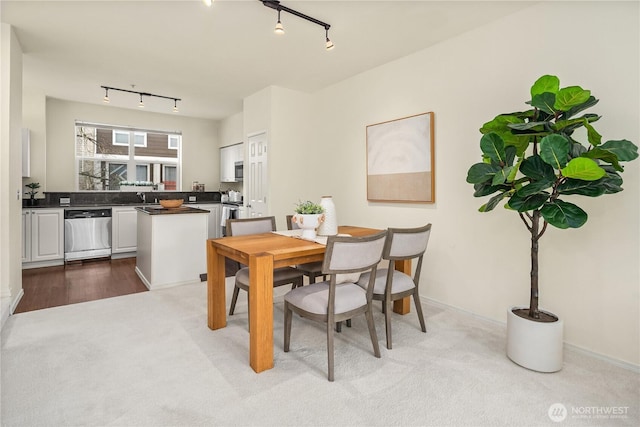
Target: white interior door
[{"x": 257, "y": 175}]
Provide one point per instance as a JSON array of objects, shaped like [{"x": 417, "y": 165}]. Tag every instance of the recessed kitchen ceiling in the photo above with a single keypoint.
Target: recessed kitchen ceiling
[{"x": 213, "y": 57}]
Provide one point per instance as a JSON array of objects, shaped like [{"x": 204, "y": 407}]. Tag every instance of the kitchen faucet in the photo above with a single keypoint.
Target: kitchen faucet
[{"x": 142, "y": 196}]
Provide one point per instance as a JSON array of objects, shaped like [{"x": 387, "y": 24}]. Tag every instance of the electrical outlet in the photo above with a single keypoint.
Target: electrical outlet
[{"x": 192, "y": 198}]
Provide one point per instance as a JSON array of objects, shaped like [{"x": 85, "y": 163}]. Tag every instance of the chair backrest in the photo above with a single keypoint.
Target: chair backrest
[
  {"x": 406, "y": 243},
  {"x": 243, "y": 226},
  {"x": 353, "y": 254},
  {"x": 290, "y": 224}
]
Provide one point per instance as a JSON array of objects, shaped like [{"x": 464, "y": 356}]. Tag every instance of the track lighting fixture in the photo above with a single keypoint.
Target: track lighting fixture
[
  {"x": 279, "y": 29},
  {"x": 329, "y": 43},
  {"x": 141, "y": 103}
]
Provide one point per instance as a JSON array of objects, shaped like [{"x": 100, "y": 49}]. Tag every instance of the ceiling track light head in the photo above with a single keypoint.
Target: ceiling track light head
[{"x": 279, "y": 29}]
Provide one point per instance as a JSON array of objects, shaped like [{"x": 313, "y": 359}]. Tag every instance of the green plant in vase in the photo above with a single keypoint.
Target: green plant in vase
[{"x": 33, "y": 187}]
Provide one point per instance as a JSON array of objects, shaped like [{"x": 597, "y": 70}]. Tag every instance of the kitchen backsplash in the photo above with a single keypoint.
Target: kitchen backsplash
[{"x": 86, "y": 198}]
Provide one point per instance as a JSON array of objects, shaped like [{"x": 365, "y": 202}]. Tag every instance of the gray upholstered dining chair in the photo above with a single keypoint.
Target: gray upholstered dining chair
[
  {"x": 310, "y": 269},
  {"x": 340, "y": 298},
  {"x": 281, "y": 276},
  {"x": 391, "y": 284}
]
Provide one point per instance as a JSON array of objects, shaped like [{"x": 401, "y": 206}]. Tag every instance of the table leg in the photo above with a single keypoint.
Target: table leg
[
  {"x": 403, "y": 306},
  {"x": 261, "y": 312},
  {"x": 216, "y": 298}
]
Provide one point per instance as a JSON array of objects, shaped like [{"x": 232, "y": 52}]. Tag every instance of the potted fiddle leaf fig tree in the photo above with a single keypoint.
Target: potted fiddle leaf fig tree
[{"x": 538, "y": 161}]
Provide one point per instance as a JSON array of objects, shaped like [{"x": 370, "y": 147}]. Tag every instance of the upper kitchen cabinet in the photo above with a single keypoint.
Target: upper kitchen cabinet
[{"x": 231, "y": 159}]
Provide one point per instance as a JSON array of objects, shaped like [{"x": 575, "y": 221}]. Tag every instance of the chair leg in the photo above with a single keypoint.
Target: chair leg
[
  {"x": 348, "y": 323},
  {"x": 312, "y": 278},
  {"x": 416, "y": 300},
  {"x": 372, "y": 332},
  {"x": 387, "y": 321},
  {"x": 287, "y": 326},
  {"x": 234, "y": 299},
  {"x": 338, "y": 327},
  {"x": 330, "y": 349}
]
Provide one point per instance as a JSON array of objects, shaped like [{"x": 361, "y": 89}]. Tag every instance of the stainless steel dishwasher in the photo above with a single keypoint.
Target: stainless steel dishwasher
[{"x": 87, "y": 234}]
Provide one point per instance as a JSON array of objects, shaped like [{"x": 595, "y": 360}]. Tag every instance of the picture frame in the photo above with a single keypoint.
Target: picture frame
[{"x": 401, "y": 160}]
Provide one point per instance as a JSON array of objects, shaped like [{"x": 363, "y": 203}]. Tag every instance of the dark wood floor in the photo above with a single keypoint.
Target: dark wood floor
[{"x": 91, "y": 280}]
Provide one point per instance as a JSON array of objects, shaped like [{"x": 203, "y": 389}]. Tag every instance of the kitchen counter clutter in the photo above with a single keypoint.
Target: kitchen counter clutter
[{"x": 171, "y": 247}]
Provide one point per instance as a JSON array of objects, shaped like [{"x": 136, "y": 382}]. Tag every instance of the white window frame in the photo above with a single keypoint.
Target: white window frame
[
  {"x": 120, "y": 132},
  {"x": 176, "y": 145}
]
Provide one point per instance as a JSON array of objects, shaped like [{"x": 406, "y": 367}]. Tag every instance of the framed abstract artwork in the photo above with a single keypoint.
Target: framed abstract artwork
[{"x": 401, "y": 160}]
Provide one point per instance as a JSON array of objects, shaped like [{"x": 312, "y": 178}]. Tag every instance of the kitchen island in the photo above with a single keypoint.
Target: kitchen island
[{"x": 171, "y": 245}]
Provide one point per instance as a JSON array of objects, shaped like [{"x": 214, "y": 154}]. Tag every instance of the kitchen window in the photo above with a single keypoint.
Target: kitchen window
[{"x": 108, "y": 155}]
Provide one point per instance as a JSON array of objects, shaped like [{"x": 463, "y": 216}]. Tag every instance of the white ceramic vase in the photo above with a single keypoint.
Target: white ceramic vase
[
  {"x": 329, "y": 227},
  {"x": 534, "y": 345},
  {"x": 308, "y": 224}
]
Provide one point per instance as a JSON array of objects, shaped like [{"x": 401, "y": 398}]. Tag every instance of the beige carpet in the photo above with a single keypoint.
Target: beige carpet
[{"x": 149, "y": 359}]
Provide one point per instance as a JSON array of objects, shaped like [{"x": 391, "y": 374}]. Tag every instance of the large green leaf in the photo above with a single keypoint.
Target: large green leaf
[
  {"x": 493, "y": 202},
  {"x": 554, "y": 150},
  {"x": 535, "y": 168},
  {"x": 533, "y": 188},
  {"x": 481, "y": 172},
  {"x": 485, "y": 188},
  {"x": 570, "y": 97},
  {"x": 604, "y": 155},
  {"x": 546, "y": 83},
  {"x": 545, "y": 102},
  {"x": 500, "y": 125},
  {"x": 584, "y": 169},
  {"x": 576, "y": 150},
  {"x": 528, "y": 203},
  {"x": 575, "y": 110},
  {"x": 625, "y": 150},
  {"x": 492, "y": 146},
  {"x": 563, "y": 215},
  {"x": 593, "y": 136},
  {"x": 583, "y": 188}
]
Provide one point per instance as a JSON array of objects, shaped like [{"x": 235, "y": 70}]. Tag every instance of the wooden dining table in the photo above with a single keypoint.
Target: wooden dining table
[{"x": 262, "y": 253}]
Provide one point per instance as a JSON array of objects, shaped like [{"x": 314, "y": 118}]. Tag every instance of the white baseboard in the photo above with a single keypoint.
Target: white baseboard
[
  {"x": 572, "y": 347},
  {"x": 8, "y": 306}
]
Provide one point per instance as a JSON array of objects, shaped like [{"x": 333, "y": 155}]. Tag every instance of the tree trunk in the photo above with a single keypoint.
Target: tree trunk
[{"x": 533, "y": 301}]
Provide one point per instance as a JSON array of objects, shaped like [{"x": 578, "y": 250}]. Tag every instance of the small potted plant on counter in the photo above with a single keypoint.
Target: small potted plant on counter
[
  {"x": 309, "y": 216},
  {"x": 33, "y": 187}
]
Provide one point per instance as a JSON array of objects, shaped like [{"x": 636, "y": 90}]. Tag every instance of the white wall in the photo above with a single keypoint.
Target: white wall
[
  {"x": 10, "y": 169},
  {"x": 480, "y": 262},
  {"x": 34, "y": 118},
  {"x": 200, "y": 154},
  {"x": 231, "y": 130}
]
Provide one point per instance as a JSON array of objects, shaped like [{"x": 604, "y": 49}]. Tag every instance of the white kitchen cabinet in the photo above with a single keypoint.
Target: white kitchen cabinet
[
  {"x": 229, "y": 155},
  {"x": 124, "y": 222},
  {"x": 214, "y": 227},
  {"x": 42, "y": 234}
]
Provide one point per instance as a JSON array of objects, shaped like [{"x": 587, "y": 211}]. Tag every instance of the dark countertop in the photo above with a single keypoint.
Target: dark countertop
[
  {"x": 104, "y": 206},
  {"x": 159, "y": 210}
]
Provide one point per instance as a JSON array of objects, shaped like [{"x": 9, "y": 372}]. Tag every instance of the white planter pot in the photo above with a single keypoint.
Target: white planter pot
[
  {"x": 308, "y": 224},
  {"x": 534, "y": 345}
]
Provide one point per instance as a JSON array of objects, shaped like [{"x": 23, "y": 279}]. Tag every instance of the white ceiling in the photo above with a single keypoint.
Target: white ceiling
[{"x": 214, "y": 57}]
